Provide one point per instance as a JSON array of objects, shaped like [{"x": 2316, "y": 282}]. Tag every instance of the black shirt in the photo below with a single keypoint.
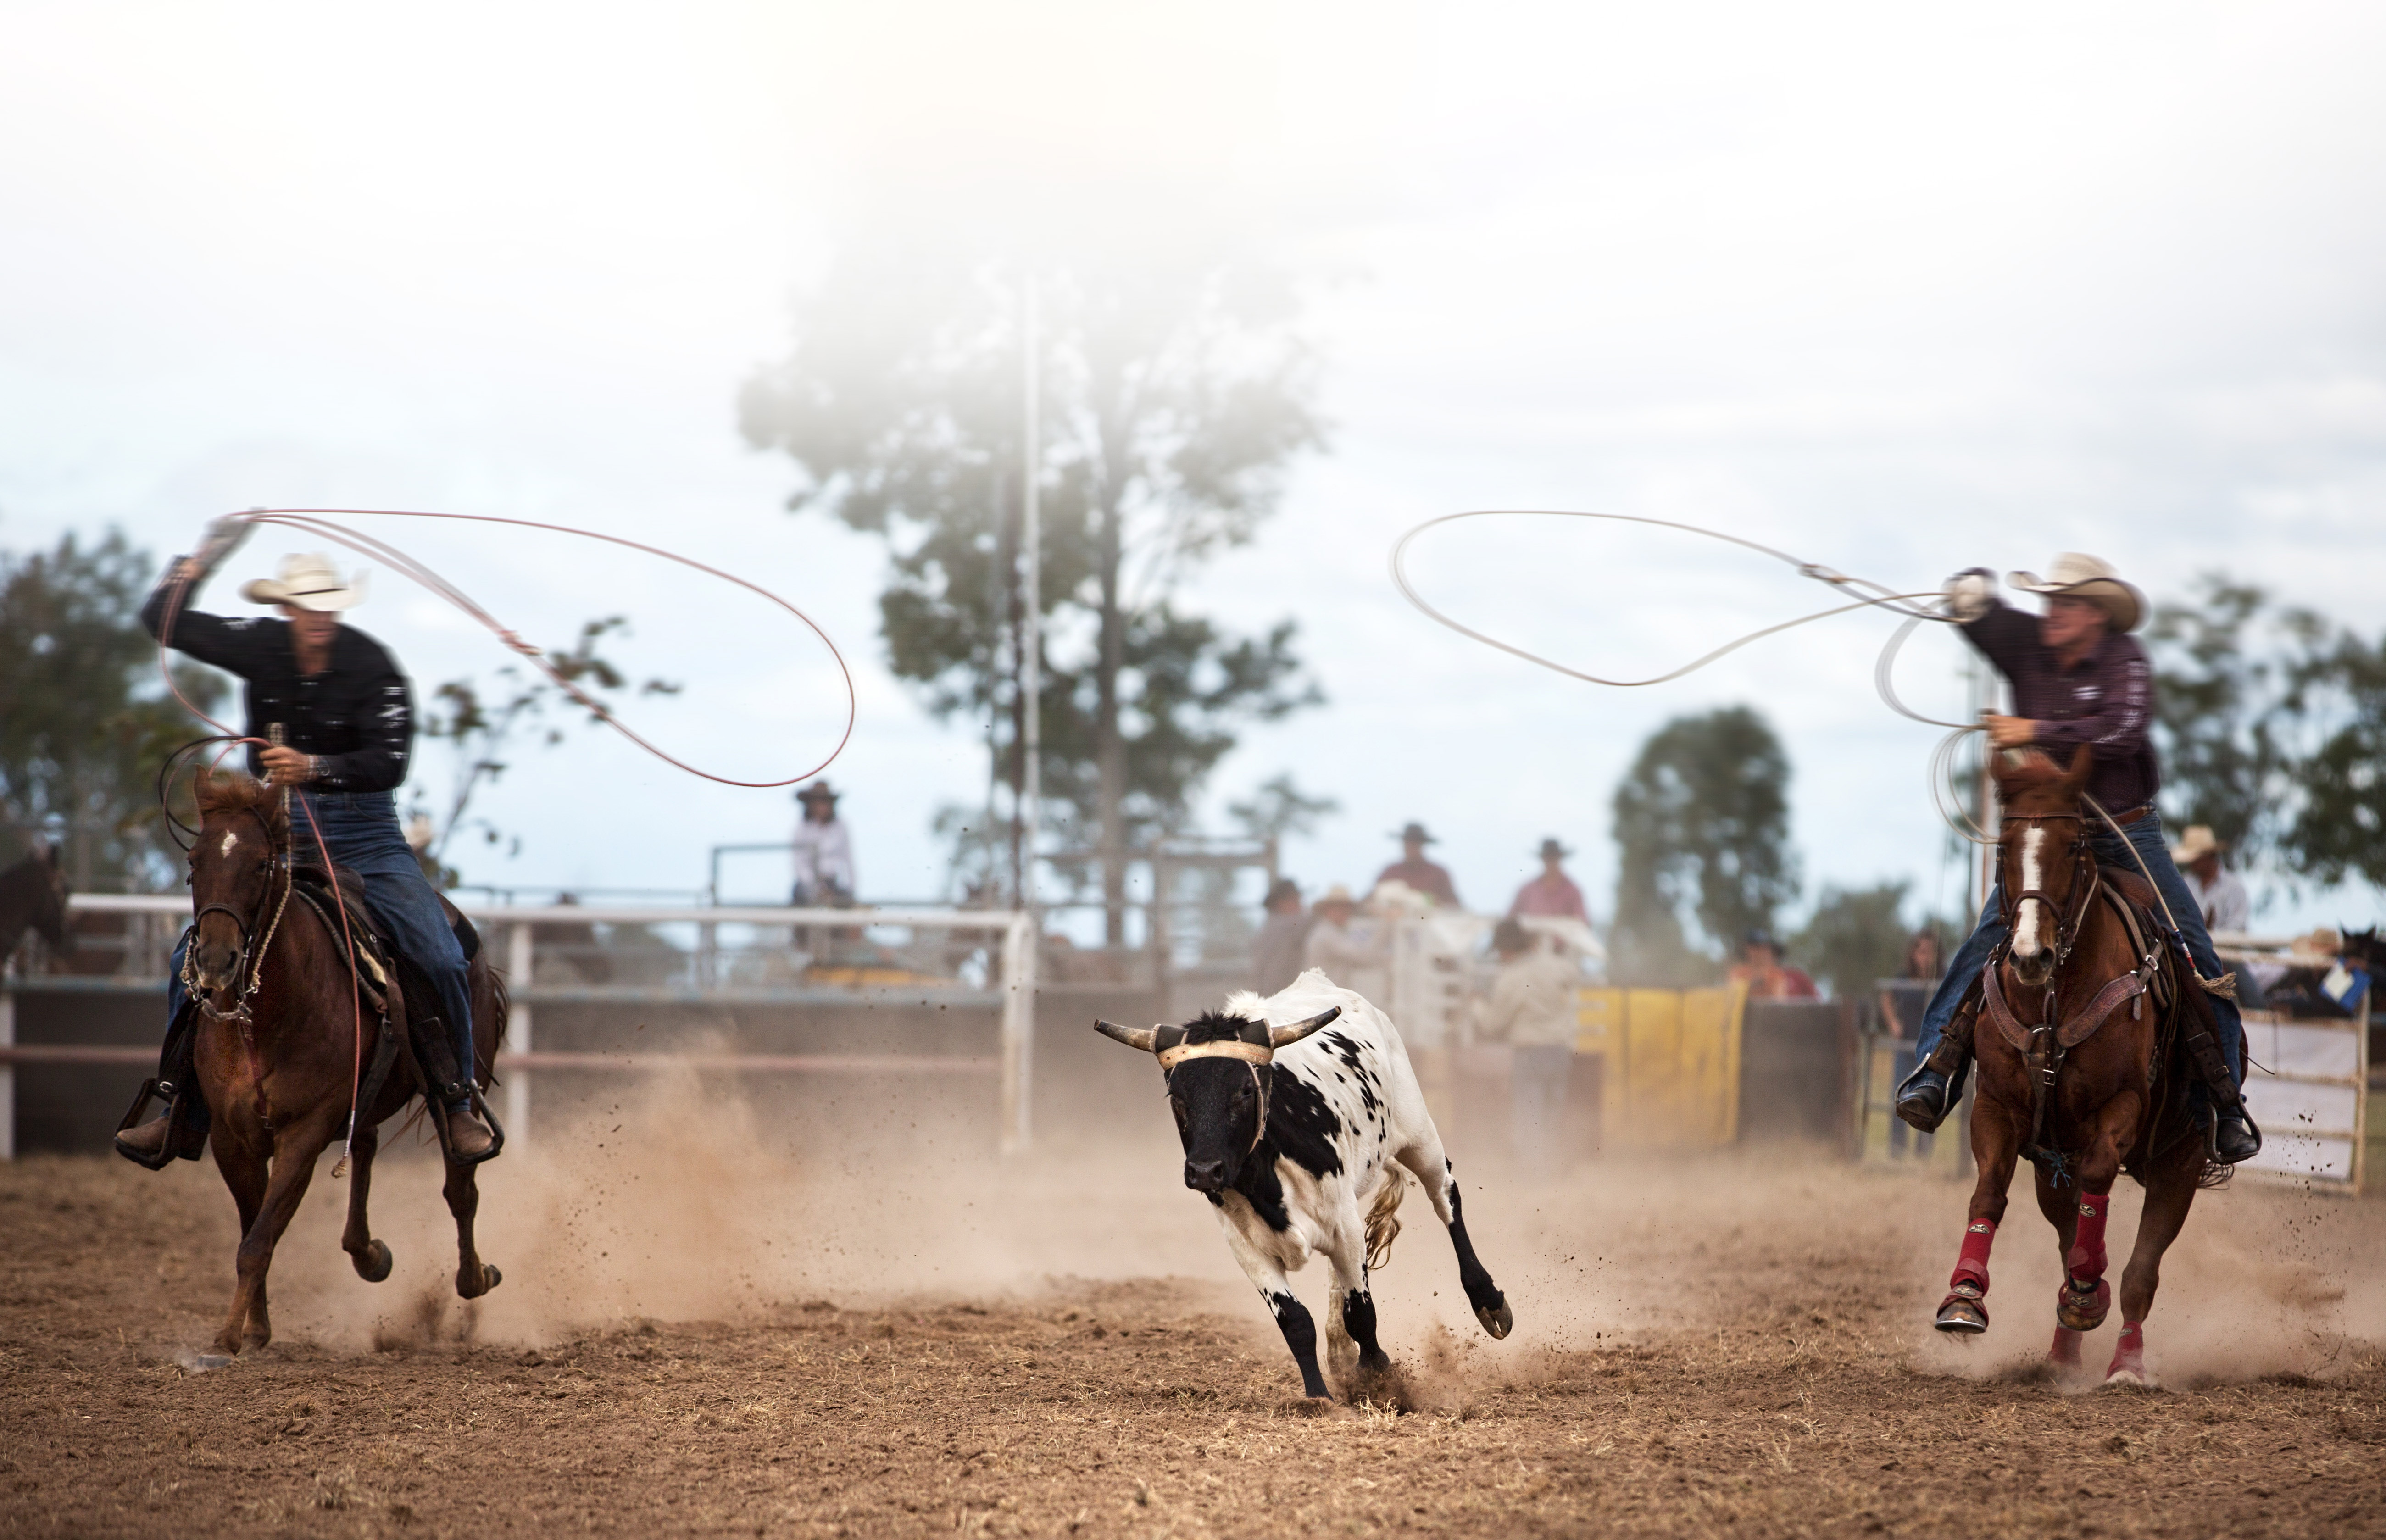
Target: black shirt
[
  {"x": 2106, "y": 700},
  {"x": 357, "y": 717}
]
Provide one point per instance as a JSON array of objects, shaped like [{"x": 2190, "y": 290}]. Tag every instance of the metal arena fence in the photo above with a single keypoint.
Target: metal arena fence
[{"x": 652, "y": 956}]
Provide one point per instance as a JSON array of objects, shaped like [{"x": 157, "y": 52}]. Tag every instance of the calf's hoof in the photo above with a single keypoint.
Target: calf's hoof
[
  {"x": 372, "y": 1262},
  {"x": 1963, "y": 1313},
  {"x": 2082, "y": 1304},
  {"x": 1496, "y": 1318}
]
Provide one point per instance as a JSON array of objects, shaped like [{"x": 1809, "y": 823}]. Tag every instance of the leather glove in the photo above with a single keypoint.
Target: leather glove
[
  {"x": 1970, "y": 593},
  {"x": 224, "y": 536}
]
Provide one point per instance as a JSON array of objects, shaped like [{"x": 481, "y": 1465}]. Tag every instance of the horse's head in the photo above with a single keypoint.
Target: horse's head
[
  {"x": 49, "y": 912},
  {"x": 242, "y": 832},
  {"x": 1220, "y": 1070},
  {"x": 2041, "y": 857}
]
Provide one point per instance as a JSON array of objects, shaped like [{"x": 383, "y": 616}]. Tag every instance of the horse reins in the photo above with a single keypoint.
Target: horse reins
[{"x": 241, "y": 1014}]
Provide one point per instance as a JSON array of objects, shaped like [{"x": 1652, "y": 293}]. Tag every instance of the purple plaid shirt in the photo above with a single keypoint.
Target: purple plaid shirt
[{"x": 2105, "y": 700}]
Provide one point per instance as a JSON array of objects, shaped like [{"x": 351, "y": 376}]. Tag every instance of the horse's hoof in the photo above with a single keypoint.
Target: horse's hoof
[
  {"x": 1499, "y": 1319},
  {"x": 1962, "y": 1314},
  {"x": 2065, "y": 1354},
  {"x": 201, "y": 1362},
  {"x": 372, "y": 1266},
  {"x": 490, "y": 1279},
  {"x": 2083, "y": 1310},
  {"x": 2126, "y": 1374}
]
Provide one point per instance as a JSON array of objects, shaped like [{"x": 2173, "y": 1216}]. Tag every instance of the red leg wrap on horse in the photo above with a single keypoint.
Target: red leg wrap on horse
[
  {"x": 1972, "y": 1266},
  {"x": 2085, "y": 1260}
]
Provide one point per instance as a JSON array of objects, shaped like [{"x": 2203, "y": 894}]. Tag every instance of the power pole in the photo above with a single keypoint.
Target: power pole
[{"x": 1031, "y": 584}]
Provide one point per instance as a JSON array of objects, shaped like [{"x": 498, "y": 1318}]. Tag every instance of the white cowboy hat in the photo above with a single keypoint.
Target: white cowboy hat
[
  {"x": 1338, "y": 893},
  {"x": 309, "y": 581},
  {"x": 2196, "y": 844},
  {"x": 2085, "y": 577}
]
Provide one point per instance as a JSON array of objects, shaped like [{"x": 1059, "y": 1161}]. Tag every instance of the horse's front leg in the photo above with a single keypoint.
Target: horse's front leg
[
  {"x": 473, "y": 1277},
  {"x": 1996, "y": 1144},
  {"x": 294, "y": 1167},
  {"x": 371, "y": 1257},
  {"x": 2078, "y": 1207}
]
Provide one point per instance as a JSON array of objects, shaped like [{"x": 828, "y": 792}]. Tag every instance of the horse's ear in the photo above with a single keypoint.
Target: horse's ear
[{"x": 2083, "y": 762}]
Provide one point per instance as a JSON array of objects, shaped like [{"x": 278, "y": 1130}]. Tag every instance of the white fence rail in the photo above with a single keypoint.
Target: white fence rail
[{"x": 755, "y": 972}]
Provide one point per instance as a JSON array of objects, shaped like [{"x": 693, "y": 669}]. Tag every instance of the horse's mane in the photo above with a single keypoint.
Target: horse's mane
[
  {"x": 228, "y": 792},
  {"x": 2038, "y": 779}
]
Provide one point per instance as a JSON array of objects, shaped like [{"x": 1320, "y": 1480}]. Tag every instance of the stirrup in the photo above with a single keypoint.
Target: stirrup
[
  {"x": 478, "y": 1106},
  {"x": 178, "y": 1145}
]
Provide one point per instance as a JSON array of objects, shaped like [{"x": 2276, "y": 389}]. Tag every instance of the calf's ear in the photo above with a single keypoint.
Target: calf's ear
[
  {"x": 1291, "y": 1033},
  {"x": 1133, "y": 1037}
]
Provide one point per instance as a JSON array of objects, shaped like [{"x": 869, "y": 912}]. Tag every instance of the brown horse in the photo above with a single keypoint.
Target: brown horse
[
  {"x": 2082, "y": 1011},
  {"x": 279, "y": 1045}
]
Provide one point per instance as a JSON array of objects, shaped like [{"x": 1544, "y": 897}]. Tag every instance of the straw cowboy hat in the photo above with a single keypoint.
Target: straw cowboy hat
[
  {"x": 1339, "y": 895},
  {"x": 309, "y": 581},
  {"x": 2196, "y": 844},
  {"x": 2319, "y": 949},
  {"x": 2084, "y": 577}
]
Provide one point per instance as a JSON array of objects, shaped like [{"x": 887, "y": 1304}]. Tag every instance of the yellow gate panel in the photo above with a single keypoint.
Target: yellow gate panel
[{"x": 1670, "y": 1063}]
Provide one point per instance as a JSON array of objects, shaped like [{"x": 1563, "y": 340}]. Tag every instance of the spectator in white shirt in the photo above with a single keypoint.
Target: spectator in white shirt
[
  {"x": 2218, "y": 891},
  {"x": 823, "y": 852}
]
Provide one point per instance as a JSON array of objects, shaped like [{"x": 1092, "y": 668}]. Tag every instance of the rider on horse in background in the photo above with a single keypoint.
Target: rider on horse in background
[
  {"x": 2079, "y": 678},
  {"x": 349, "y": 718}
]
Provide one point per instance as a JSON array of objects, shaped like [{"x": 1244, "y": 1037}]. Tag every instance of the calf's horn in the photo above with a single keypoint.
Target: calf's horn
[
  {"x": 1285, "y": 1037},
  {"x": 1133, "y": 1037}
]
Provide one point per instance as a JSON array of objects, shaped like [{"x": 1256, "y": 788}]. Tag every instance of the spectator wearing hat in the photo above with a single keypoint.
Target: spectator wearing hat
[
  {"x": 1277, "y": 950},
  {"x": 2218, "y": 891},
  {"x": 1533, "y": 1010},
  {"x": 823, "y": 849},
  {"x": 1415, "y": 872},
  {"x": 1553, "y": 894},
  {"x": 1768, "y": 978}
]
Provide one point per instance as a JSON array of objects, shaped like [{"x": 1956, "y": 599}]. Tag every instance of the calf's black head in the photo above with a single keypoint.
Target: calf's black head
[{"x": 1219, "y": 1070}]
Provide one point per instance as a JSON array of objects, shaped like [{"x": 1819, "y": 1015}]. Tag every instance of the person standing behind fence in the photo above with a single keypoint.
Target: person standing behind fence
[
  {"x": 1533, "y": 1010},
  {"x": 824, "y": 849},
  {"x": 1415, "y": 872},
  {"x": 1277, "y": 950},
  {"x": 1551, "y": 895}
]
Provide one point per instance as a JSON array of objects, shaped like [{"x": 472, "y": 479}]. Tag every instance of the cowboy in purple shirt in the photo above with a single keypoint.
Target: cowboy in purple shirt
[{"x": 2079, "y": 677}]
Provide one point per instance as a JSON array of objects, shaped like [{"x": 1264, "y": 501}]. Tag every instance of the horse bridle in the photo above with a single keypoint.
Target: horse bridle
[
  {"x": 2067, "y": 915},
  {"x": 280, "y": 865}
]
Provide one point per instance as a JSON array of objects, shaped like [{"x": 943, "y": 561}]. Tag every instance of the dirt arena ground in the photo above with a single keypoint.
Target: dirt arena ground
[{"x": 697, "y": 1336}]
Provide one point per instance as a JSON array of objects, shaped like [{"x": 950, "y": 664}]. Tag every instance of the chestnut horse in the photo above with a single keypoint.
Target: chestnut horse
[
  {"x": 2075, "y": 1042},
  {"x": 278, "y": 1046}
]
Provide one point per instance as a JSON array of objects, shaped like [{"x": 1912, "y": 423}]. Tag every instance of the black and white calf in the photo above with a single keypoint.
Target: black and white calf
[{"x": 1297, "y": 1113}]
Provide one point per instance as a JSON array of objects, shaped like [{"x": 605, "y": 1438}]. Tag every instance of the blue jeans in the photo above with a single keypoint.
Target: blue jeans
[
  {"x": 2147, "y": 836},
  {"x": 361, "y": 830}
]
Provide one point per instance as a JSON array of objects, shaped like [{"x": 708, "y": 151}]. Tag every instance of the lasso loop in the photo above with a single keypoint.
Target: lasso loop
[
  {"x": 311, "y": 520},
  {"x": 1877, "y": 596}
]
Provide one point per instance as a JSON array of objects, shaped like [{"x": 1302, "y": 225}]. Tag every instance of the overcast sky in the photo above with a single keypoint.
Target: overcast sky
[{"x": 1897, "y": 289}]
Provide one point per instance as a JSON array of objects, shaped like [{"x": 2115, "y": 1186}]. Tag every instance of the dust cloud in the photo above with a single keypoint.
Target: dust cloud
[{"x": 677, "y": 1202}]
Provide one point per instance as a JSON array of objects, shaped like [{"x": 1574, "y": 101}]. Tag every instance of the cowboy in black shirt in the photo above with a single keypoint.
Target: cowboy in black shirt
[{"x": 348, "y": 720}]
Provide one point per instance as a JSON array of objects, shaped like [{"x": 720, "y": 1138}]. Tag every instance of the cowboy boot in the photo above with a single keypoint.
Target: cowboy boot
[
  {"x": 468, "y": 1140},
  {"x": 1931, "y": 1092},
  {"x": 2235, "y": 1136}
]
